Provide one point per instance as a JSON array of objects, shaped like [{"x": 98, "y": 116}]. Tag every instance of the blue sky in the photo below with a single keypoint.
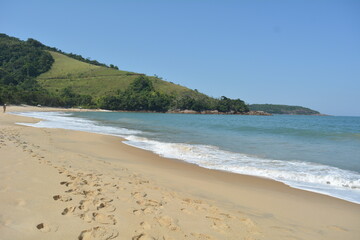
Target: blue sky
[{"x": 283, "y": 52}]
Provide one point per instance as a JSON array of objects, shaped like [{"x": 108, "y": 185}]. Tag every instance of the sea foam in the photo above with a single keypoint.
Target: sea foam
[
  {"x": 303, "y": 175},
  {"x": 65, "y": 121}
]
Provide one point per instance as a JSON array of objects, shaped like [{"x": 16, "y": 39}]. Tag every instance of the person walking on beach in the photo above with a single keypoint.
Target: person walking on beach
[{"x": 4, "y": 107}]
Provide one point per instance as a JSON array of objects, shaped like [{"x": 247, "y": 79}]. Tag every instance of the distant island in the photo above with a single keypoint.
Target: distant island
[
  {"x": 35, "y": 74},
  {"x": 283, "y": 109}
]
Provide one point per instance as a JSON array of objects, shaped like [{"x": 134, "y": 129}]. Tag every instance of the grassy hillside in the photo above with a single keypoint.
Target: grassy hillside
[
  {"x": 282, "y": 109},
  {"x": 95, "y": 80},
  {"x": 33, "y": 73}
]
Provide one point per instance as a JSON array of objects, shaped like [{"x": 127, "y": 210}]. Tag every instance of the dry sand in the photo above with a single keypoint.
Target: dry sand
[{"x": 60, "y": 184}]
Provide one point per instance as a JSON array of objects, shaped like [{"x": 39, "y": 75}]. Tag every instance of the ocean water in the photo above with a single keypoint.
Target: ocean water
[{"x": 314, "y": 153}]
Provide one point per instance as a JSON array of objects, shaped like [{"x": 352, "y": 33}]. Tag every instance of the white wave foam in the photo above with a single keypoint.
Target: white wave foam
[
  {"x": 308, "y": 176},
  {"x": 65, "y": 121}
]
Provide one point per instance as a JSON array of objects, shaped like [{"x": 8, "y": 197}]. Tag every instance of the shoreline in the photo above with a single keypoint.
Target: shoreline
[
  {"x": 26, "y": 108},
  {"x": 209, "y": 112},
  {"x": 272, "y": 210},
  {"x": 294, "y": 186},
  {"x": 346, "y": 195}
]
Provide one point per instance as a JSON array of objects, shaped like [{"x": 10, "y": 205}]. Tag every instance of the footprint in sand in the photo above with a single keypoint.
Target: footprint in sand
[
  {"x": 146, "y": 210},
  {"x": 184, "y": 210},
  {"x": 68, "y": 210},
  {"x": 65, "y": 183},
  {"x": 71, "y": 191},
  {"x": 89, "y": 193},
  {"x": 197, "y": 204},
  {"x": 227, "y": 215},
  {"x": 71, "y": 177},
  {"x": 104, "y": 219},
  {"x": 62, "y": 198},
  {"x": 201, "y": 236},
  {"x": 98, "y": 233},
  {"x": 86, "y": 217},
  {"x": 62, "y": 171},
  {"x": 169, "y": 238},
  {"x": 166, "y": 221},
  {"x": 102, "y": 205},
  {"x": 143, "y": 236},
  {"x": 138, "y": 195},
  {"x": 86, "y": 205},
  {"x": 105, "y": 207},
  {"x": 220, "y": 226},
  {"x": 150, "y": 203},
  {"x": 145, "y": 225},
  {"x": 107, "y": 200},
  {"x": 137, "y": 212},
  {"x": 42, "y": 227}
]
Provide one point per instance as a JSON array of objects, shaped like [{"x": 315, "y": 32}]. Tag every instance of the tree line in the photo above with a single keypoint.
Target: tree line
[{"x": 142, "y": 96}]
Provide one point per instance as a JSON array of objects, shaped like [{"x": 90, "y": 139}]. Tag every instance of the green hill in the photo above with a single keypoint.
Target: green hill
[
  {"x": 33, "y": 73},
  {"x": 88, "y": 79},
  {"x": 282, "y": 109}
]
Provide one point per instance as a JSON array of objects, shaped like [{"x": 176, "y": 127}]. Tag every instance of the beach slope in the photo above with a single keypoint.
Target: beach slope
[{"x": 61, "y": 184}]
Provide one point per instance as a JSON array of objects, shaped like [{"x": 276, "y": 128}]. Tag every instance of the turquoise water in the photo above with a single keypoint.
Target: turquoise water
[{"x": 316, "y": 153}]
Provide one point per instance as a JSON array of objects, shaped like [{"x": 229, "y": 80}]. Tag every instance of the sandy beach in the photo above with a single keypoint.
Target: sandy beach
[{"x": 62, "y": 184}]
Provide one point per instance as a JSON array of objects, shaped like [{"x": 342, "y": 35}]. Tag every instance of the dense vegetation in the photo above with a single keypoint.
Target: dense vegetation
[
  {"x": 33, "y": 73},
  {"x": 142, "y": 96},
  {"x": 20, "y": 63},
  {"x": 139, "y": 96},
  {"x": 282, "y": 109}
]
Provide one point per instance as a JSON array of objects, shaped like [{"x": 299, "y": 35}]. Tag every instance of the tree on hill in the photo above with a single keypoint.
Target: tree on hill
[
  {"x": 35, "y": 43},
  {"x": 114, "y": 67},
  {"x": 231, "y": 105},
  {"x": 139, "y": 96},
  {"x": 141, "y": 84},
  {"x": 69, "y": 98}
]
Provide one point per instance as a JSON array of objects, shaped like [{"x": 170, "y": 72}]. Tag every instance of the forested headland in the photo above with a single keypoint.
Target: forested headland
[
  {"x": 35, "y": 74},
  {"x": 283, "y": 109}
]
